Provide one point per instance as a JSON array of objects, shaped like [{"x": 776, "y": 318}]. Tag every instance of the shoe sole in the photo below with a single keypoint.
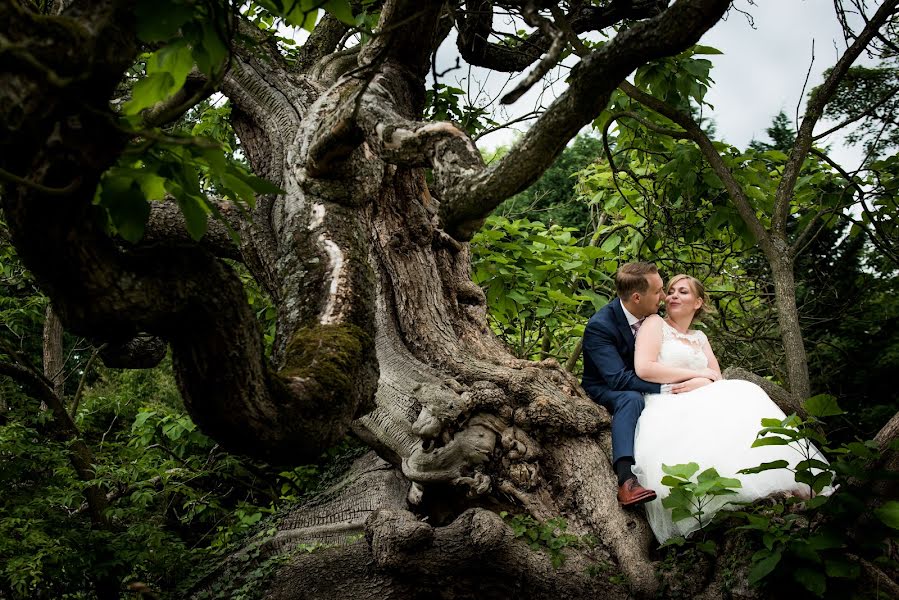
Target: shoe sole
[{"x": 638, "y": 501}]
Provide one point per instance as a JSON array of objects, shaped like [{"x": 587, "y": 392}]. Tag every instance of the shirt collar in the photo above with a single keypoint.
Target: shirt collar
[{"x": 631, "y": 319}]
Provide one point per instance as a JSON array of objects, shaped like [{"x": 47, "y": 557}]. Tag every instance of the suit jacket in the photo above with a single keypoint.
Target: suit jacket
[{"x": 609, "y": 355}]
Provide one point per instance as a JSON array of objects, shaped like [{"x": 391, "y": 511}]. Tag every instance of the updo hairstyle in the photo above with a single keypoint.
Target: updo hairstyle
[{"x": 699, "y": 290}]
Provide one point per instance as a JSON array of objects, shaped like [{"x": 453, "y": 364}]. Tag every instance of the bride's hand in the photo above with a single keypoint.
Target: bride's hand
[
  {"x": 690, "y": 385},
  {"x": 710, "y": 374}
]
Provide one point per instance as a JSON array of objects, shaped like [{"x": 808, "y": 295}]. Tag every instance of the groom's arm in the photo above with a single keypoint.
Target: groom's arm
[{"x": 599, "y": 345}]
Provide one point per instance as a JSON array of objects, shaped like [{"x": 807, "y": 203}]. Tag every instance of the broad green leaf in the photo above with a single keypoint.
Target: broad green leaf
[
  {"x": 148, "y": 91},
  {"x": 709, "y": 474},
  {"x": 777, "y": 464},
  {"x": 211, "y": 51},
  {"x": 341, "y": 10},
  {"x": 671, "y": 481},
  {"x": 770, "y": 441},
  {"x": 811, "y": 464},
  {"x": 175, "y": 59},
  {"x": 195, "y": 216},
  {"x": 813, "y": 581},
  {"x": 127, "y": 208},
  {"x": 152, "y": 186},
  {"x": 708, "y": 50},
  {"x": 840, "y": 567},
  {"x": 159, "y": 20},
  {"x": 612, "y": 243},
  {"x": 684, "y": 471},
  {"x": 239, "y": 188},
  {"x": 889, "y": 514},
  {"x": 763, "y": 567},
  {"x": 260, "y": 185},
  {"x": 679, "y": 514},
  {"x": 822, "y": 405}
]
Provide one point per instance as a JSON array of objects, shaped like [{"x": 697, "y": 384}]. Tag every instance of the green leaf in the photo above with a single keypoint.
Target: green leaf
[
  {"x": 889, "y": 514},
  {"x": 159, "y": 20},
  {"x": 763, "y": 567},
  {"x": 777, "y": 464},
  {"x": 152, "y": 185},
  {"x": 148, "y": 91},
  {"x": 679, "y": 514},
  {"x": 709, "y": 547},
  {"x": 684, "y": 471},
  {"x": 842, "y": 568},
  {"x": 175, "y": 59},
  {"x": 195, "y": 215},
  {"x": 813, "y": 581},
  {"x": 341, "y": 10},
  {"x": 239, "y": 189},
  {"x": 611, "y": 243},
  {"x": 127, "y": 208},
  {"x": 822, "y": 405},
  {"x": 211, "y": 51},
  {"x": 678, "y": 498},
  {"x": 709, "y": 50},
  {"x": 770, "y": 441}
]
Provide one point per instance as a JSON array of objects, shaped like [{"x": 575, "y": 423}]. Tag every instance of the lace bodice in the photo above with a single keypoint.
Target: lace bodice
[{"x": 682, "y": 349}]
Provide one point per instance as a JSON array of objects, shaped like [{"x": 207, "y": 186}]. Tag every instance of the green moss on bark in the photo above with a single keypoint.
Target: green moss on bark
[{"x": 329, "y": 355}]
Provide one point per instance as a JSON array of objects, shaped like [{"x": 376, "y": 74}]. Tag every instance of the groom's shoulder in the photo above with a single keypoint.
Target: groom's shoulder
[{"x": 604, "y": 314}]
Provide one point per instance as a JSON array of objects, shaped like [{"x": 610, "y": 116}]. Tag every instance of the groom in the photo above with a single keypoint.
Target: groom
[{"x": 609, "y": 376}]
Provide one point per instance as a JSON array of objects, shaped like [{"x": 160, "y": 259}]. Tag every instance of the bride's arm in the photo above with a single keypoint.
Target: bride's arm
[
  {"x": 707, "y": 350},
  {"x": 646, "y": 355}
]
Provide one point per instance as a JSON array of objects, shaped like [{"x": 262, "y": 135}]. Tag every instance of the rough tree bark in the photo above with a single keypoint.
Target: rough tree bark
[{"x": 379, "y": 326}]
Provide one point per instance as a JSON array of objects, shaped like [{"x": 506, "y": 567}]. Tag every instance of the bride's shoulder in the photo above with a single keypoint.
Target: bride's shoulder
[
  {"x": 654, "y": 321},
  {"x": 698, "y": 334}
]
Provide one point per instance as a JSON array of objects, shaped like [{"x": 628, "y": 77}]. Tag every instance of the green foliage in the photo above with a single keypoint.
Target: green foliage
[
  {"x": 550, "y": 536},
  {"x": 801, "y": 434},
  {"x": 553, "y": 199},
  {"x": 804, "y": 540},
  {"x": 180, "y": 503},
  {"x": 542, "y": 284},
  {"x": 188, "y": 172},
  {"x": 448, "y": 103},
  {"x": 689, "y": 498}
]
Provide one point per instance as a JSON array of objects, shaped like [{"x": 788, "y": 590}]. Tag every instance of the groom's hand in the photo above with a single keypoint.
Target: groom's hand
[{"x": 689, "y": 385}]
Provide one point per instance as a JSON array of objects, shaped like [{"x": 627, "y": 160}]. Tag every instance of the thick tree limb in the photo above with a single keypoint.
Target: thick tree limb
[
  {"x": 178, "y": 292},
  {"x": 167, "y": 225},
  {"x": 321, "y": 42},
  {"x": 469, "y": 192},
  {"x": 475, "y": 25}
]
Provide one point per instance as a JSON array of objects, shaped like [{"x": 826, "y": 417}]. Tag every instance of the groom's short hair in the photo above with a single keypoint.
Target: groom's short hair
[{"x": 631, "y": 277}]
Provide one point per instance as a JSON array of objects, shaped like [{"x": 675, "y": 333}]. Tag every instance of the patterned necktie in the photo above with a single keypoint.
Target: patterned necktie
[{"x": 636, "y": 326}]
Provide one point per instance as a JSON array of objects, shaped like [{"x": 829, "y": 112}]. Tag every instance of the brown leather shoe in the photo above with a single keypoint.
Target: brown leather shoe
[{"x": 631, "y": 493}]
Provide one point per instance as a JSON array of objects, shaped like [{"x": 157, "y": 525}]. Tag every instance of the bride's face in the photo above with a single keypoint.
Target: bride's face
[{"x": 681, "y": 299}]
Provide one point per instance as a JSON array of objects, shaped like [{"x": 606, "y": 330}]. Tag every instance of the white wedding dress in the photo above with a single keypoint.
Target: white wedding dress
[{"x": 713, "y": 426}]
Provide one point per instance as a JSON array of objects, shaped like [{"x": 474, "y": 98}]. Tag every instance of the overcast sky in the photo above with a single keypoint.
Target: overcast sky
[{"x": 760, "y": 73}]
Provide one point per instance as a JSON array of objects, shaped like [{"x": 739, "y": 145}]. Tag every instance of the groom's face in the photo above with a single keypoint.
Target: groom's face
[{"x": 648, "y": 303}]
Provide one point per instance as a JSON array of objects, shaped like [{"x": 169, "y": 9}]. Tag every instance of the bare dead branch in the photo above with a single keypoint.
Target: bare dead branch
[
  {"x": 815, "y": 108},
  {"x": 557, "y": 44}
]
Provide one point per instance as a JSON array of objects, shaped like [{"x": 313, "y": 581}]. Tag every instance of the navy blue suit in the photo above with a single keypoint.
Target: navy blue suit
[{"x": 609, "y": 376}]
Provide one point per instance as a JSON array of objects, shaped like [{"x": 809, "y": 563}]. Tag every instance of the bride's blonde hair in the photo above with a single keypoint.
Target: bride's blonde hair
[{"x": 696, "y": 286}]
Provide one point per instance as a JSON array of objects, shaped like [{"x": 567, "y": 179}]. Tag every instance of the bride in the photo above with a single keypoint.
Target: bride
[{"x": 712, "y": 423}]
